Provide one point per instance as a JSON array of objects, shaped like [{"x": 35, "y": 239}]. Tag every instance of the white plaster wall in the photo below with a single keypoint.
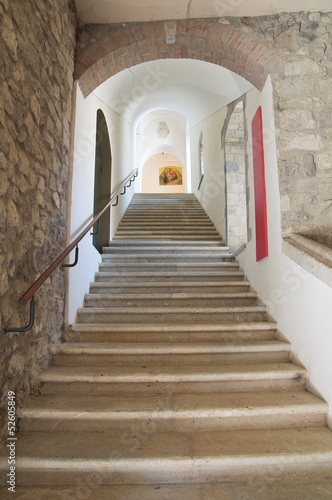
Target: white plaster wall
[
  {"x": 212, "y": 190},
  {"x": 83, "y": 189},
  {"x": 299, "y": 302}
]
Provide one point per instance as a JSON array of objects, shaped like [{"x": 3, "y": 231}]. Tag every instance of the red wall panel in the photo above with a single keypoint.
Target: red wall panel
[{"x": 259, "y": 186}]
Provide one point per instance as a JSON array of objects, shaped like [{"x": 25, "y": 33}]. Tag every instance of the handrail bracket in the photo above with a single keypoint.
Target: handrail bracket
[
  {"x": 29, "y": 325},
  {"x": 76, "y": 259}
]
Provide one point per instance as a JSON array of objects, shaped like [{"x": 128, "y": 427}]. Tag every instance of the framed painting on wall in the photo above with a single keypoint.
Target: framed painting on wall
[{"x": 170, "y": 176}]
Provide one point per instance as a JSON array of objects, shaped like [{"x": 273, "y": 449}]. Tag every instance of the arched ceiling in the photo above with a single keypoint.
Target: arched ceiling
[
  {"x": 124, "y": 11},
  {"x": 194, "y": 89}
]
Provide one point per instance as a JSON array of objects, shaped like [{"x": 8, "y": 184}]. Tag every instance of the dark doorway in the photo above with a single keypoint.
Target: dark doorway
[{"x": 102, "y": 192}]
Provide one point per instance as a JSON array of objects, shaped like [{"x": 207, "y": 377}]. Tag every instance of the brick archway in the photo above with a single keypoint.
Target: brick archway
[{"x": 104, "y": 50}]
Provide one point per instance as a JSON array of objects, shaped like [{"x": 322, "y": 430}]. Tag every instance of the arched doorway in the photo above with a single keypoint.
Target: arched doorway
[
  {"x": 226, "y": 46},
  {"x": 102, "y": 188}
]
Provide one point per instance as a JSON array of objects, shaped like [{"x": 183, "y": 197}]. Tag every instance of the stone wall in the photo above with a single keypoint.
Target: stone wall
[
  {"x": 236, "y": 185},
  {"x": 303, "y": 105},
  {"x": 37, "y": 43}
]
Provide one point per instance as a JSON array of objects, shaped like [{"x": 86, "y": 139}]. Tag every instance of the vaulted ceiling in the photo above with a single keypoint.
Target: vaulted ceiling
[
  {"x": 195, "y": 89},
  {"x": 125, "y": 11}
]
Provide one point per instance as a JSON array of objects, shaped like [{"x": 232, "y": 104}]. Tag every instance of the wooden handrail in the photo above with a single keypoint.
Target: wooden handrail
[{"x": 43, "y": 277}]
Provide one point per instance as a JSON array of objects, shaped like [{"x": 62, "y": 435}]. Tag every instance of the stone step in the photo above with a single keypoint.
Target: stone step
[
  {"x": 169, "y": 257},
  {"x": 118, "y": 248},
  {"x": 127, "y": 223},
  {"x": 231, "y": 332},
  {"x": 171, "y": 315},
  {"x": 162, "y": 243},
  {"x": 170, "y": 287},
  {"x": 172, "y": 412},
  {"x": 168, "y": 379},
  {"x": 172, "y": 266},
  {"x": 170, "y": 220},
  {"x": 171, "y": 236},
  {"x": 139, "y": 299},
  {"x": 305, "y": 488},
  {"x": 163, "y": 196},
  {"x": 174, "y": 276},
  {"x": 163, "y": 214},
  {"x": 179, "y": 207},
  {"x": 172, "y": 457},
  {"x": 146, "y": 198},
  {"x": 187, "y": 202},
  {"x": 171, "y": 232},
  {"x": 176, "y": 210},
  {"x": 103, "y": 354}
]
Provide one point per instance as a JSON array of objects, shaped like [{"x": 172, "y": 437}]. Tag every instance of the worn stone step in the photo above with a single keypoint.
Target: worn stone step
[
  {"x": 171, "y": 276},
  {"x": 166, "y": 215},
  {"x": 170, "y": 287},
  {"x": 177, "y": 250},
  {"x": 103, "y": 354},
  {"x": 162, "y": 243},
  {"x": 166, "y": 206},
  {"x": 171, "y": 315},
  {"x": 173, "y": 379},
  {"x": 140, "y": 226},
  {"x": 166, "y": 220},
  {"x": 231, "y": 332},
  {"x": 165, "y": 267},
  {"x": 169, "y": 237},
  {"x": 172, "y": 412},
  {"x": 127, "y": 223},
  {"x": 177, "y": 211},
  {"x": 169, "y": 257},
  {"x": 165, "y": 202},
  {"x": 140, "y": 299},
  {"x": 316, "y": 486},
  {"x": 184, "y": 263},
  {"x": 163, "y": 232},
  {"x": 174, "y": 457}
]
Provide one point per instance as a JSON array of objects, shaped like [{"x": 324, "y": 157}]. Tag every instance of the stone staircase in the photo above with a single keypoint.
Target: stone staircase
[{"x": 173, "y": 383}]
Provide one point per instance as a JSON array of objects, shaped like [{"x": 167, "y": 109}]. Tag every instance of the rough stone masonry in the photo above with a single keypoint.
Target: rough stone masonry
[
  {"x": 303, "y": 112},
  {"x": 37, "y": 42}
]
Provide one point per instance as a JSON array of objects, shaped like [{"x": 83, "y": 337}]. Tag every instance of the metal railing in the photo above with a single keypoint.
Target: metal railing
[{"x": 29, "y": 294}]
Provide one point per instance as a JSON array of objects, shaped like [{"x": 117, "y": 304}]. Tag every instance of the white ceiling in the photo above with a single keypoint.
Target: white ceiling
[
  {"x": 194, "y": 89},
  {"x": 120, "y": 11}
]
